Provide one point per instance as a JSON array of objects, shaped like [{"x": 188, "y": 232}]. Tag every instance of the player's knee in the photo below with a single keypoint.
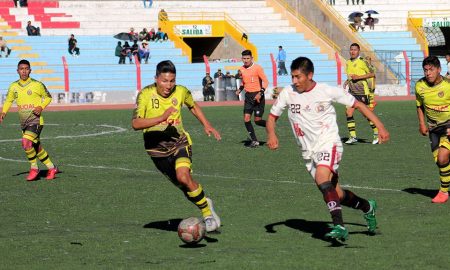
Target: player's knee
[
  {"x": 184, "y": 178},
  {"x": 27, "y": 144},
  {"x": 442, "y": 160}
]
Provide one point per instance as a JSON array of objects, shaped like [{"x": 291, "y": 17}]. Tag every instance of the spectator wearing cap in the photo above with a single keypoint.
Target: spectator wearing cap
[{"x": 144, "y": 51}]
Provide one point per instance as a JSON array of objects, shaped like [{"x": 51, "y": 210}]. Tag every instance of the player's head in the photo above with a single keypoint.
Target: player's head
[
  {"x": 280, "y": 48},
  {"x": 354, "y": 50},
  {"x": 165, "y": 77},
  {"x": 432, "y": 69},
  {"x": 247, "y": 58},
  {"x": 24, "y": 69},
  {"x": 447, "y": 57},
  {"x": 302, "y": 72}
]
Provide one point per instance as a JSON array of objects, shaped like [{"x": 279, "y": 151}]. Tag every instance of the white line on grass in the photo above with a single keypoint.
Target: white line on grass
[
  {"x": 115, "y": 130},
  {"x": 206, "y": 175}
]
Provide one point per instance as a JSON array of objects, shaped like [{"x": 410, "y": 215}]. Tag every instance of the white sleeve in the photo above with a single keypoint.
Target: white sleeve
[
  {"x": 280, "y": 103},
  {"x": 342, "y": 96}
]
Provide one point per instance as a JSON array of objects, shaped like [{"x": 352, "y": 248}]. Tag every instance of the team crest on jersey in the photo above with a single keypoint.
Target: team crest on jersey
[
  {"x": 441, "y": 94},
  {"x": 29, "y": 92},
  {"x": 174, "y": 101}
]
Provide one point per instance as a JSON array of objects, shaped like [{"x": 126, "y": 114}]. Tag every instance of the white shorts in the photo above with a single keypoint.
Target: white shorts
[{"x": 328, "y": 155}]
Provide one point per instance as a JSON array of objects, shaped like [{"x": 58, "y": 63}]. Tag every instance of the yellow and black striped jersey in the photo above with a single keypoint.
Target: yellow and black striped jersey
[
  {"x": 166, "y": 137},
  {"x": 28, "y": 95},
  {"x": 359, "y": 67},
  {"x": 435, "y": 100}
]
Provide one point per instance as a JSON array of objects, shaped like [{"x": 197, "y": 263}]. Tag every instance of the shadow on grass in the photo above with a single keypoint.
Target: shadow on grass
[
  {"x": 344, "y": 139},
  {"x": 247, "y": 143},
  {"x": 317, "y": 229},
  {"x": 171, "y": 225},
  {"x": 430, "y": 193}
]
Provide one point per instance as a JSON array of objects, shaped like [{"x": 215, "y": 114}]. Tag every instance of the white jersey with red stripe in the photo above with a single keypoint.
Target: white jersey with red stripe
[{"x": 313, "y": 121}]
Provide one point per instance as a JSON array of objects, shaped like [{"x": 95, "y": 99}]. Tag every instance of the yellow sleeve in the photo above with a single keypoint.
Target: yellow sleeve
[
  {"x": 141, "y": 105},
  {"x": 189, "y": 99},
  {"x": 47, "y": 97},
  {"x": 9, "y": 100},
  {"x": 419, "y": 101}
]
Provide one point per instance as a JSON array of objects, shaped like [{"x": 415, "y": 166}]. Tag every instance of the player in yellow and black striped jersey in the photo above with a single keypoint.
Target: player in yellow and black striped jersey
[
  {"x": 32, "y": 98},
  {"x": 433, "y": 101},
  {"x": 359, "y": 71},
  {"x": 158, "y": 114}
]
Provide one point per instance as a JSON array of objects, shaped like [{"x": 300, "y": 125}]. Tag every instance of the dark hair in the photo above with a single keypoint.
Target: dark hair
[
  {"x": 281, "y": 47},
  {"x": 304, "y": 64},
  {"x": 165, "y": 67},
  {"x": 355, "y": 45},
  {"x": 432, "y": 61},
  {"x": 247, "y": 52},
  {"x": 23, "y": 62}
]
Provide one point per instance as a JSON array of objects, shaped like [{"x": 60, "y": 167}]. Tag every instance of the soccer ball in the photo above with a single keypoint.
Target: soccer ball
[{"x": 191, "y": 230}]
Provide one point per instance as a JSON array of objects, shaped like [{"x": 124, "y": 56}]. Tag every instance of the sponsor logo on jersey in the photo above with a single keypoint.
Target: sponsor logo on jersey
[
  {"x": 29, "y": 92},
  {"x": 25, "y": 107}
]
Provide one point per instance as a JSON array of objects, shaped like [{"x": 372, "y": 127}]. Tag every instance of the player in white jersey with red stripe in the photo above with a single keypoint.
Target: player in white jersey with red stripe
[{"x": 313, "y": 121}]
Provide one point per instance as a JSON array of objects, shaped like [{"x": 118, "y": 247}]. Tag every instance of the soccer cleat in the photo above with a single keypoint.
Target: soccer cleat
[
  {"x": 254, "y": 144},
  {"x": 351, "y": 140},
  {"x": 441, "y": 197},
  {"x": 51, "y": 173},
  {"x": 338, "y": 232},
  {"x": 211, "y": 224},
  {"x": 375, "y": 140},
  {"x": 370, "y": 217},
  {"x": 33, "y": 174},
  {"x": 213, "y": 212}
]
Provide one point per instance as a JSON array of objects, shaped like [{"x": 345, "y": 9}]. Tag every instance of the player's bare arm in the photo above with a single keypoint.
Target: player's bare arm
[
  {"x": 209, "y": 129},
  {"x": 142, "y": 123},
  {"x": 272, "y": 139},
  {"x": 383, "y": 134},
  {"x": 422, "y": 126}
]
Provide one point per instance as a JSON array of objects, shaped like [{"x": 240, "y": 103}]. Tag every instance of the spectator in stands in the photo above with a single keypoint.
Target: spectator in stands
[
  {"x": 143, "y": 34},
  {"x": 281, "y": 58},
  {"x": 150, "y": 3},
  {"x": 447, "y": 57},
  {"x": 358, "y": 23},
  {"x": 133, "y": 35},
  {"x": 208, "y": 89},
  {"x": 151, "y": 36},
  {"x": 4, "y": 47},
  {"x": 32, "y": 30},
  {"x": 332, "y": 2},
  {"x": 135, "y": 50},
  {"x": 238, "y": 75},
  {"x": 370, "y": 21},
  {"x": 73, "y": 48},
  {"x": 126, "y": 50},
  {"x": 15, "y": 2},
  {"x": 144, "y": 51},
  {"x": 119, "y": 54},
  {"x": 161, "y": 36}
]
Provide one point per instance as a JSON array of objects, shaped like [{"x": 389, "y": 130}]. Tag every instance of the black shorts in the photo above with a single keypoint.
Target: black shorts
[
  {"x": 32, "y": 132},
  {"x": 439, "y": 137},
  {"x": 250, "y": 104},
  {"x": 363, "y": 98},
  {"x": 167, "y": 165}
]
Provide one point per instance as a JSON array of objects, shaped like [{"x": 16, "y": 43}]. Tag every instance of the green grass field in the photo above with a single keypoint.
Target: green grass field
[{"x": 111, "y": 209}]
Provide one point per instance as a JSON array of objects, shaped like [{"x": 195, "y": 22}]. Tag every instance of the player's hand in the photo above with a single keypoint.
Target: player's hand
[
  {"x": 169, "y": 112},
  {"x": 2, "y": 116},
  {"x": 237, "y": 92},
  {"x": 37, "y": 111},
  {"x": 383, "y": 136},
  {"x": 209, "y": 130},
  {"x": 423, "y": 130},
  {"x": 272, "y": 142},
  {"x": 354, "y": 77},
  {"x": 258, "y": 97}
]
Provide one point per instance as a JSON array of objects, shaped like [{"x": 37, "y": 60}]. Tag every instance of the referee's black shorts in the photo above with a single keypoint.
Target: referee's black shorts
[{"x": 250, "y": 104}]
